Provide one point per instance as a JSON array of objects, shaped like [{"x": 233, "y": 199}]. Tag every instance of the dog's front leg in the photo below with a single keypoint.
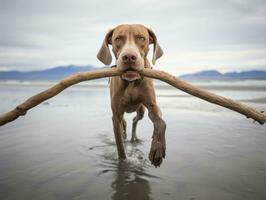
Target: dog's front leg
[
  {"x": 158, "y": 145},
  {"x": 118, "y": 131}
]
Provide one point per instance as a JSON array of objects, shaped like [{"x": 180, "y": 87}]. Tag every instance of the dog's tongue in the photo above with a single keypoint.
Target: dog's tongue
[{"x": 130, "y": 75}]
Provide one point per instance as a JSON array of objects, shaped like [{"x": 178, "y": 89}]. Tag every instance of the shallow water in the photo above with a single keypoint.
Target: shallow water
[{"x": 65, "y": 149}]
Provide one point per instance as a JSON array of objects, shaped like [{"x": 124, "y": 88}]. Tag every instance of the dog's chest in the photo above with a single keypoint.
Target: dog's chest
[{"x": 132, "y": 96}]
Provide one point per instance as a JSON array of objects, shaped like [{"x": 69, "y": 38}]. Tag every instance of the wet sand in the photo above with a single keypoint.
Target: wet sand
[{"x": 65, "y": 149}]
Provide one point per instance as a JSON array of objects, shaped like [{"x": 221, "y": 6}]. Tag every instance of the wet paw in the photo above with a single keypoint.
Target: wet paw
[{"x": 157, "y": 152}]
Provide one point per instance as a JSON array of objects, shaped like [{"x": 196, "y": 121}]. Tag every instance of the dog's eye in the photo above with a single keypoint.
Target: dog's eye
[
  {"x": 141, "y": 38},
  {"x": 118, "y": 39}
]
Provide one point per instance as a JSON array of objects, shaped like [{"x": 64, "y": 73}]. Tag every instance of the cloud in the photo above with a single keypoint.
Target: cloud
[
  {"x": 223, "y": 60},
  {"x": 205, "y": 33}
]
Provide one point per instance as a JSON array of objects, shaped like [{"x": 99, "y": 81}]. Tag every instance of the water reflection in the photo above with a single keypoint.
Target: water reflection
[
  {"x": 130, "y": 183},
  {"x": 130, "y": 177}
]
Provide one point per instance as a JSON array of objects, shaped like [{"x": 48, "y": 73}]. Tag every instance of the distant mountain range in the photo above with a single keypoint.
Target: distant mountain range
[
  {"x": 215, "y": 75},
  {"x": 55, "y": 73},
  {"x": 60, "y": 72}
]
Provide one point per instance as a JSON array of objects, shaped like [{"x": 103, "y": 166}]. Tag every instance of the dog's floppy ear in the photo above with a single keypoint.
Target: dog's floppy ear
[
  {"x": 157, "y": 50},
  {"x": 104, "y": 54}
]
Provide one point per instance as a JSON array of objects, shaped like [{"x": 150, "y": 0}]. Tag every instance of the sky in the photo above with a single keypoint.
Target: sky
[{"x": 225, "y": 35}]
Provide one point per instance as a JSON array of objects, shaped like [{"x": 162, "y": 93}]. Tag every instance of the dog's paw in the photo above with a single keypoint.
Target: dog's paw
[{"x": 157, "y": 152}]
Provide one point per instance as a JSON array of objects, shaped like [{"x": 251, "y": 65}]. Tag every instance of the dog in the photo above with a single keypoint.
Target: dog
[{"x": 131, "y": 92}]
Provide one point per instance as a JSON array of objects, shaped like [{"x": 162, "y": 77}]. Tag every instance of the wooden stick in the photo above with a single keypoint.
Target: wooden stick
[
  {"x": 56, "y": 89},
  {"x": 204, "y": 94},
  {"x": 163, "y": 76}
]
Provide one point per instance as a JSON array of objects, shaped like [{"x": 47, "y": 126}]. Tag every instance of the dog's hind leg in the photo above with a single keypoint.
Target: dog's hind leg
[
  {"x": 124, "y": 123},
  {"x": 140, "y": 113}
]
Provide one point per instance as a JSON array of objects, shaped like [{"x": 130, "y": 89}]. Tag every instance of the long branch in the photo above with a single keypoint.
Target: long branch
[
  {"x": 163, "y": 76},
  {"x": 54, "y": 90},
  {"x": 246, "y": 110}
]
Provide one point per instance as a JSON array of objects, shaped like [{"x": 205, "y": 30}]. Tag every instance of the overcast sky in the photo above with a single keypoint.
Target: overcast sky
[{"x": 195, "y": 34}]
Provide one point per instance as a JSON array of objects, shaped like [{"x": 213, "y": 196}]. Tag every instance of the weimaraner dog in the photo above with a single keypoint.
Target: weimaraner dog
[{"x": 131, "y": 92}]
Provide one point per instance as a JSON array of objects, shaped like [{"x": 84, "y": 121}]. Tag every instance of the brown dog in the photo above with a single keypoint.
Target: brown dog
[{"x": 131, "y": 92}]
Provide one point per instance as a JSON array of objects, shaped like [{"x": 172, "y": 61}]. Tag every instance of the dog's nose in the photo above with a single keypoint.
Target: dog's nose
[{"x": 129, "y": 57}]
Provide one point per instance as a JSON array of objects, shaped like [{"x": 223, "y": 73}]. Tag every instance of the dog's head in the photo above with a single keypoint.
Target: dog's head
[{"x": 130, "y": 45}]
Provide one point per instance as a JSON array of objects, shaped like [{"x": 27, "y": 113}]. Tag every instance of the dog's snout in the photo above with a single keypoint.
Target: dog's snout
[{"x": 129, "y": 57}]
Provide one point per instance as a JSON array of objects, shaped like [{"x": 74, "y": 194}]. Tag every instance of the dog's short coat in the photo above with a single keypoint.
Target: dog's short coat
[{"x": 131, "y": 92}]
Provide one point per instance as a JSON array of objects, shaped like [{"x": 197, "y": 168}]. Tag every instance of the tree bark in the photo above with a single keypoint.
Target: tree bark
[{"x": 35, "y": 100}]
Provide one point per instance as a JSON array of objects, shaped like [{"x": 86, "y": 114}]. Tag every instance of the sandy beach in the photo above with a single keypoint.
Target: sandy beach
[{"x": 65, "y": 149}]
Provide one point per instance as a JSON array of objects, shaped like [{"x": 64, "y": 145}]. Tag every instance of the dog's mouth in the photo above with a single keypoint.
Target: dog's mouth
[{"x": 130, "y": 75}]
